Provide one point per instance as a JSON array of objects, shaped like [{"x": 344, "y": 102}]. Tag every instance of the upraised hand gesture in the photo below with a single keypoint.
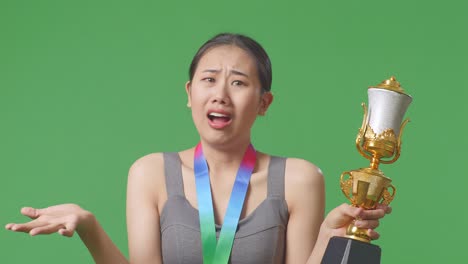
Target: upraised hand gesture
[{"x": 64, "y": 219}]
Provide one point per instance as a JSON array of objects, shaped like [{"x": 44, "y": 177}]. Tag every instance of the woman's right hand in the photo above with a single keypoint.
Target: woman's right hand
[{"x": 64, "y": 219}]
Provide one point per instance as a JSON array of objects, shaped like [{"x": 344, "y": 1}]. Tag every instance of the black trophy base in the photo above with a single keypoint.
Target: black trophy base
[{"x": 341, "y": 250}]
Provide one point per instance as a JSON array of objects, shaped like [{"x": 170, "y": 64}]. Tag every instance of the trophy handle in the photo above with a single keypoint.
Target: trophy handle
[
  {"x": 362, "y": 132},
  {"x": 347, "y": 185},
  {"x": 398, "y": 145},
  {"x": 387, "y": 196}
]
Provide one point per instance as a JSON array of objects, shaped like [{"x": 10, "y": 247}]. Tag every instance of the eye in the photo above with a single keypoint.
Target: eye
[
  {"x": 238, "y": 83},
  {"x": 208, "y": 79}
]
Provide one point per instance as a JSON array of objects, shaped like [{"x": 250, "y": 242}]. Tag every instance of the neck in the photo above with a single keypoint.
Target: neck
[{"x": 224, "y": 160}]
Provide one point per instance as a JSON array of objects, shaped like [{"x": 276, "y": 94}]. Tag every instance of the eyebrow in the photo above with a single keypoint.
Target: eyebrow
[{"x": 235, "y": 72}]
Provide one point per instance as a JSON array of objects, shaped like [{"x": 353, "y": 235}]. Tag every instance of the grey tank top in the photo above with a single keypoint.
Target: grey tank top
[{"x": 260, "y": 237}]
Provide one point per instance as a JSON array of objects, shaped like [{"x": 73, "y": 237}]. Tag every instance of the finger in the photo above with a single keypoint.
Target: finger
[
  {"x": 66, "y": 232},
  {"x": 26, "y": 227},
  {"x": 372, "y": 214},
  {"x": 8, "y": 226},
  {"x": 385, "y": 207},
  {"x": 367, "y": 224},
  {"x": 44, "y": 230},
  {"x": 372, "y": 234},
  {"x": 31, "y": 212},
  {"x": 69, "y": 230},
  {"x": 342, "y": 215},
  {"x": 350, "y": 211}
]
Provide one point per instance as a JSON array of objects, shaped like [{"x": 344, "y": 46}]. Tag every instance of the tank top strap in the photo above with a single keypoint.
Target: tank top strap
[
  {"x": 276, "y": 170},
  {"x": 173, "y": 174}
]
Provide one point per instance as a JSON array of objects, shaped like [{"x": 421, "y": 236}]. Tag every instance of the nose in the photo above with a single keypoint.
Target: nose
[{"x": 221, "y": 94}]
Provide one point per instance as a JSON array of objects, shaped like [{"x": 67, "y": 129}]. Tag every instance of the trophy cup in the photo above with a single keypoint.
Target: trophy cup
[{"x": 378, "y": 140}]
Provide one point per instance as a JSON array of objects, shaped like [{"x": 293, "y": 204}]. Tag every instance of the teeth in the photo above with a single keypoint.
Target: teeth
[{"x": 218, "y": 115}]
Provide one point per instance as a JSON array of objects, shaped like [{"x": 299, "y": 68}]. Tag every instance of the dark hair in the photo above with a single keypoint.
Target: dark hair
[{"x": 251, "y": 46}]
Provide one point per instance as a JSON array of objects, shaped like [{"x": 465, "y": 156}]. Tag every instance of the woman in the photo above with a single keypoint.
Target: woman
[{"x": 277, "y": 219}]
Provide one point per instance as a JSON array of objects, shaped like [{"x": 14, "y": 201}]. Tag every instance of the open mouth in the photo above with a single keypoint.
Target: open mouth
[{"x": 219, "y": 120}]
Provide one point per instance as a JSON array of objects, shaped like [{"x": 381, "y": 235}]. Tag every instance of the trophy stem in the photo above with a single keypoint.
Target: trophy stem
[
  {"x": 357, "y": 233},
  {"x": 375, "y": 162}
]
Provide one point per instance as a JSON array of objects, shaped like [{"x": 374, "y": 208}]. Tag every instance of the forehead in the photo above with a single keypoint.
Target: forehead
[{"x": 227, "y": 56}]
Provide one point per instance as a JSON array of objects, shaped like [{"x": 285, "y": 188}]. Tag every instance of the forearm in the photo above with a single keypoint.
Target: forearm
[
  {"x": 320, "y": 246},
  {"x": 99, "y": 244}
]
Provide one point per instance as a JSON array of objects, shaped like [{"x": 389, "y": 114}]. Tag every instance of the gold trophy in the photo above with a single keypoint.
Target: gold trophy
[{"x": 378, "y": 140}]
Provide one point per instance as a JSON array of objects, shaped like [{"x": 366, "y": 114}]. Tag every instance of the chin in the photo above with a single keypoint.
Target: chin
[
  {"x": 222, "y": 140},
  {"x": 217, "y": 138}
]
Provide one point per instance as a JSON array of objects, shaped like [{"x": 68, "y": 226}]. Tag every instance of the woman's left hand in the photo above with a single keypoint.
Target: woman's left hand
[{"x": 339, "y": 218}]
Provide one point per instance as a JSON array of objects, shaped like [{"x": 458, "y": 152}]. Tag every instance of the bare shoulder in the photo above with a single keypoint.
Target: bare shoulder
[
  {"x": 300, "y": 171},
  {"x": 146, "y": 176},
  {"x": 146, "y": 165},
  {"x": 303, "y": 182}
]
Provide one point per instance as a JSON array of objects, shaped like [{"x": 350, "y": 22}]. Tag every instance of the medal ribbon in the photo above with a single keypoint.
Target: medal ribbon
[{"x": 219, "y": 252}]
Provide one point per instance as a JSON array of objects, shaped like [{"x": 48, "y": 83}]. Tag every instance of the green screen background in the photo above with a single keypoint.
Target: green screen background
[{"x": 87, "y": 87}]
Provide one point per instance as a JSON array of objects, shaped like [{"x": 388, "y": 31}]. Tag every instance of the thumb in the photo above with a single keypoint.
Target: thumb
[
  {"x": 342, "y": 215},
  {"x": 31, "y": 212}
]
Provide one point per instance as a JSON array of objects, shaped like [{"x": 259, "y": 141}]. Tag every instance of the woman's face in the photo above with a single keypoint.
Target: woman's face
[{"x": 225, "y": 95}]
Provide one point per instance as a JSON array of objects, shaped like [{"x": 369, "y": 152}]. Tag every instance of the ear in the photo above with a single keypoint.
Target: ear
[
  {"x": 187, "y": 90},
  {"x": 265, "y": 102}
]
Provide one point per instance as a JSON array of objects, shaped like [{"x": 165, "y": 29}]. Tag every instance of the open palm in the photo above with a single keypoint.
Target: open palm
[{"x": 64, "y": 219}]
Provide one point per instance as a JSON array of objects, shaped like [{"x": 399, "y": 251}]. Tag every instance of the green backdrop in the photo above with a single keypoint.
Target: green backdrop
[{"x": 87, "y": 87}]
